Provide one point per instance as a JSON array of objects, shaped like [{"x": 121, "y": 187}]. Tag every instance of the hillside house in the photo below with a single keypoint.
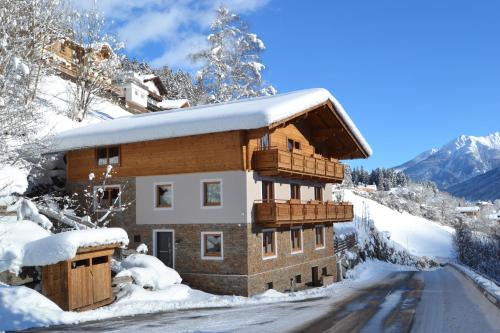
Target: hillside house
[
  {"x": 469, "y": 211},
  {"x": 145, "y": 93},
  {"x": 235, "y": 196},
  {"x": 68, "y": 54}
]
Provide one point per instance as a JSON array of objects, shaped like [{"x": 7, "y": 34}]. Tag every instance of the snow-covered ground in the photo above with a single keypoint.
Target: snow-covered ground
[
  {"x": 419, "y": 236},
  {"x": 22, "y": 307}
]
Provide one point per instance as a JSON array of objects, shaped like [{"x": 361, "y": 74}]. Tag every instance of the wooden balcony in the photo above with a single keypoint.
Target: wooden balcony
[
  {"x": 281, "y": 213},
  {"x": 284, "y": 163}
]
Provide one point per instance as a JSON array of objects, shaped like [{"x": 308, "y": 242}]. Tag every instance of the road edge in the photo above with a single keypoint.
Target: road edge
[{"x": 494, "y": 299}]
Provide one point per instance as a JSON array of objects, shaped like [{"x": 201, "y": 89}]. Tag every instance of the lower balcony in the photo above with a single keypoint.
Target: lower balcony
[{"x": 289, "y": 212}]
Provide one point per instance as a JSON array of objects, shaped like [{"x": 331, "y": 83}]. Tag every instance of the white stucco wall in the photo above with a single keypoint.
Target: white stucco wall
[{"x": 187, "y": 199}]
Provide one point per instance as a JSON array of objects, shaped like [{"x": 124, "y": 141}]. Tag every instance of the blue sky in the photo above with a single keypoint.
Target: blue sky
[{"x": 412, "y": 74}]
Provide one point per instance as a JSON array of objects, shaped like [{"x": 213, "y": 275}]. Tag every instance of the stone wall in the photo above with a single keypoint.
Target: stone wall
[{"x": 283, "y": 270}]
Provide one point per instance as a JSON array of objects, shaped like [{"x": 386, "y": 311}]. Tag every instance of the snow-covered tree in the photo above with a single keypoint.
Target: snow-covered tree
[
  {"x": 96, "y": 65},
  {"x": 26, "y": 29},
  {"x": 232, "y": 65},
  {"x": 180, "y": 85}
]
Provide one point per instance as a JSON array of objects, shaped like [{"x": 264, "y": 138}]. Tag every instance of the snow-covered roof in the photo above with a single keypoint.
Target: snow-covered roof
[
  {"x": 249, "y": 113},
  {"x": 168, "y": 104},
  {"x": 468, "y": 209}
]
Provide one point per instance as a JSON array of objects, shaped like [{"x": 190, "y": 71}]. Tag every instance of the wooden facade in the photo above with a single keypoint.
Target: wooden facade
[
  {"x": 315, "y": 156},
  {"x": 81, "y": 283},
  {"x": 282, "y": 213},
  {"x": 200, "y": 153}
]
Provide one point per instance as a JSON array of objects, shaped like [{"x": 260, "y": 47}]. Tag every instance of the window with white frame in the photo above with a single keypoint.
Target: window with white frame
[
  {"x": 212, "y": 243},
  {"x": 319, "y": 232},
  {"x": 211, "y": 193},
  {"x": 164, "y": 195},
  {"x": 296, "y": 239},
  {"x": 106, "y": 197}
]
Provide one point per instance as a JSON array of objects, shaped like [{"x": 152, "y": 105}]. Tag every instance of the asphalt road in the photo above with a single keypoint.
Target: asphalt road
[{"x": 436, "y": 301}]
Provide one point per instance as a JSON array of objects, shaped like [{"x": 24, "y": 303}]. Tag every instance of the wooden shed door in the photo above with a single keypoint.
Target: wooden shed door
[
  {"x": 101, "y": 278},
  {"x": 81, "y": 284},
  {"x": 165, "y": 247}
]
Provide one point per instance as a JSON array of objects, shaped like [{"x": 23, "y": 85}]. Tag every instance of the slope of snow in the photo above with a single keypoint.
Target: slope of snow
[
  {"x": 419, "y": 236},
  {"x": 243, "y": 114},
  {"x": 52, "y": 100},
  {"x": 22, "y": 308}
]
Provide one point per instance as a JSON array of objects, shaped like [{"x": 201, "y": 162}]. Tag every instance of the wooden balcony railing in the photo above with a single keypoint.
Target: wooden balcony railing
[
  {"x": 281, "y": 162},
  {"x": 280, "y": 212}
]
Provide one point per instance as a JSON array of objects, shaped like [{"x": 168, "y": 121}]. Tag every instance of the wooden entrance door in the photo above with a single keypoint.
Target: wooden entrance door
[
  {"x": 315, "y": 276},
  {"x": 164, "y": 249}
]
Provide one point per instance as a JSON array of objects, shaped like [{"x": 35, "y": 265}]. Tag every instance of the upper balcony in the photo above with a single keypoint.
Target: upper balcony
[
  {"x": 277, "y": 213},
  {"x": 284, "y": 163}
]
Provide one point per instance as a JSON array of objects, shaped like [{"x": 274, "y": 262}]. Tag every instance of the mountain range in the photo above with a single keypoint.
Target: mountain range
[{"x": 465, "y": 167}]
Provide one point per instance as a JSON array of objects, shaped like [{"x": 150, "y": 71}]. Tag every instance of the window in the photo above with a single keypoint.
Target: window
[
  {"x": 269, "y": 244},
  {"x": 295, "y": 191},
  {"x": 264, "y": 141},
  {"x": 107, "y": 197},
  {"x": 296, "y": 239},
  {"x": 298, "y": 278},
  {"x": 211, "y": 245},
  {"x": 108, "y": 155},
  {"x": 269, "y": 285},
  {"x": 318, "y": 193},
  {"x": 212, "y": 193},
  {"x": 164, "y": 196},
  {"x": 320, "y": 236},
  {"x": 324, "y": 271},
  {"x": 267, "y": 191},
  {"x": 293, "y": 145}
]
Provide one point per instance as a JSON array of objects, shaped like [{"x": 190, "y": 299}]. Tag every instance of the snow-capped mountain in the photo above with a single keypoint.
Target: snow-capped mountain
[{"x": 457, "y": 161}]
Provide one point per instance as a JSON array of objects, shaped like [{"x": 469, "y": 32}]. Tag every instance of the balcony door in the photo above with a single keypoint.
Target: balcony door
[
  {"x": 267, "y": 191},
  {"x": 164, "y": 246}
]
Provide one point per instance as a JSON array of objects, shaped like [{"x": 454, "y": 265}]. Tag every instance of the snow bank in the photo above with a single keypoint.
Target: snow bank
[
  {"x": 488, "y": 285},
  {"x": 149, "y": 271},
  {"x": 243, "y": 114},
  {"x": 24, "y": 243},
  {"x": 12, "y": 180},
  {"x": 419, "y": 236},
  {"x": 22, "y": 307},
  {"x": 15, "y": 236}
]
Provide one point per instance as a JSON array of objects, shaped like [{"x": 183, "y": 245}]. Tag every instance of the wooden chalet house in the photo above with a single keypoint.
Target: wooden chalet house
[{"x": 237, "y": 197}]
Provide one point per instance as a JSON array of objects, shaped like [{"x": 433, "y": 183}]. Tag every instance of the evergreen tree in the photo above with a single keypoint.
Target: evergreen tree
[{"x": 233, "y": 69}]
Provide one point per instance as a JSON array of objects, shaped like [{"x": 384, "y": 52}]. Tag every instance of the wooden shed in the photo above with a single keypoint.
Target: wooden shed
[{"x": 83, "y": 282}]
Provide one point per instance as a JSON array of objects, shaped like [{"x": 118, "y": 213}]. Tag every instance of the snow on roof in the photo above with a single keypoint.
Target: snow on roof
[
  {"x": 249, "y": 113},
  {"x": 467, "y": 209},
  {"x": 25, "y": 243},
  {"x": 168, "y": 104}
]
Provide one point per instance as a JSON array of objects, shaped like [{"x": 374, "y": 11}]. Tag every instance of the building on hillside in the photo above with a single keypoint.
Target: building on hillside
[
  {"x": 469, "y": 211},
  {"x": 237, "y": 197},
  {"x": 145, "y": 93},
  {"x": 68, "y": 54}
]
